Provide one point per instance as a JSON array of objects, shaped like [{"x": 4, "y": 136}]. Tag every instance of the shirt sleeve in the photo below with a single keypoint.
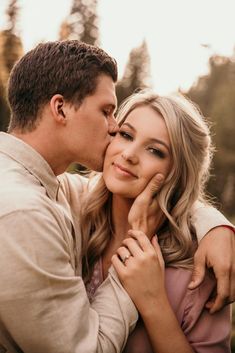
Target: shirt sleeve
[
  {"x": 43, "y": 305},
  {"x": 205, "y": 332},
  {"x": 204, "y": 218}
]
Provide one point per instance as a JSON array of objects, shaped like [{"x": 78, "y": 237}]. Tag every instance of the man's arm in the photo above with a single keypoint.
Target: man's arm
[
  {"x": 205, "y": 218},
  {"x": 43, "y": 305},
  {"x": 217, "y": 251}
]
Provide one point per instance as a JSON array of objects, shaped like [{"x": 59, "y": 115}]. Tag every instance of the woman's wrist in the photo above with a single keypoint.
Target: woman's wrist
[{"x": 154, "y": 308}]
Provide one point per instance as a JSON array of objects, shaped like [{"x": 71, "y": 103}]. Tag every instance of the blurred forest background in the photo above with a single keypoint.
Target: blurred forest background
[{"x": 214, "y": 92}]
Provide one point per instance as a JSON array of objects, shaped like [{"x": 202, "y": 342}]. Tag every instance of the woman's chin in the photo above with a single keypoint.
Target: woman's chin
[
  {"x": 117, "y": 188},
  {"x": 124, "y": 194}
]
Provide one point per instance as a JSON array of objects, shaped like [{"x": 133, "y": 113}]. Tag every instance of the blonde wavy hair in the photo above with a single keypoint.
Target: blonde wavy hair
[{"x": 191, "y": 154}]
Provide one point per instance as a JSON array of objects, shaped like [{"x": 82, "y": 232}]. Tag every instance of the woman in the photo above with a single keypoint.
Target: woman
[{"x": 165, "y": 135}]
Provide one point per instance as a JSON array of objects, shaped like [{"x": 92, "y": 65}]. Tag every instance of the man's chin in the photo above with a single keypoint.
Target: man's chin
[{"x": 96, "y": 166}]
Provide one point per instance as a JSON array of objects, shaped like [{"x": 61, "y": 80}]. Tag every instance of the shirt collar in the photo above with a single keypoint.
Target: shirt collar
[{"x": 31, "y": 160}]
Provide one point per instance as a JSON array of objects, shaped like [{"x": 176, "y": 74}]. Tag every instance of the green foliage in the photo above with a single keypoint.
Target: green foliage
[
  {"x": 82, "y": 23},
  {"x": 137, "y": 73},
  {"x": 215, "y": 95}
]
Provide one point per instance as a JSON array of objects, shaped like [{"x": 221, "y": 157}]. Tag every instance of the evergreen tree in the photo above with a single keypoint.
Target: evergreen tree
[
  {"x": 215, "y": 95},
  {"x": 137, "y": 72},
  {"x": 82, "y": 23}
]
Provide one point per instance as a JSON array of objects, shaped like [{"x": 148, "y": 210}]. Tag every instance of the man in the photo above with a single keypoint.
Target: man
[{"x": 62, "y": 97}]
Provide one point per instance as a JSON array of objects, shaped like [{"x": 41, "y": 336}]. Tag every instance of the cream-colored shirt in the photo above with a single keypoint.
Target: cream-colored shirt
[{"x": 43, "y": 302}]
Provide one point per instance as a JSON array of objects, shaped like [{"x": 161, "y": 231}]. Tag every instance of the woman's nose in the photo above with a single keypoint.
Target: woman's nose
[{"x": 130, "y": 155}]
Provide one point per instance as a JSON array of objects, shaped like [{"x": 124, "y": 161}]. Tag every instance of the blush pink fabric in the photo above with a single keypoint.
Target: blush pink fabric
[{"x": 206, "y": 333}]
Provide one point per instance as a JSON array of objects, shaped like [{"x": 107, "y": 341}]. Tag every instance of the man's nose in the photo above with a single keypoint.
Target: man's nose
[{"x": 113, "y": 127}]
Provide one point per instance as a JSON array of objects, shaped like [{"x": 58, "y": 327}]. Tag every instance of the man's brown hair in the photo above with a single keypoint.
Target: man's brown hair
[{"x": 69, "y": 68}]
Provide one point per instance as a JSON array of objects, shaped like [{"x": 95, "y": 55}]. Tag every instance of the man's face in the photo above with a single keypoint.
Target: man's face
[{"x": 91, "y": 124}]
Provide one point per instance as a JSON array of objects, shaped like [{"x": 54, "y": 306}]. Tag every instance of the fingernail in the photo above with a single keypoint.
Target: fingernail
[{"x": 159, "y": 177}]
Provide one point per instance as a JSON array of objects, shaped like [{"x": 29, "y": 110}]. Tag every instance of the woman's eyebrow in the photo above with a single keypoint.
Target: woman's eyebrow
[
  {"x": 130, "y": 126},
  {"x": 152, "y": 140},
  {"x": 161, "y": 142}
]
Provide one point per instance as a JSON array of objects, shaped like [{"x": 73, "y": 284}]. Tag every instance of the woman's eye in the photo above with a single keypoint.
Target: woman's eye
[
  {"x": 157, "y": 152},
  {"x": 125, "y": 135}
]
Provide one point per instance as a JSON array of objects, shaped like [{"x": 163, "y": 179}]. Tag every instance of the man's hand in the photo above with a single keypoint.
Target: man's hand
[
  {"x": 217, "y": 251},
  {"x": 145, "y": 214}
]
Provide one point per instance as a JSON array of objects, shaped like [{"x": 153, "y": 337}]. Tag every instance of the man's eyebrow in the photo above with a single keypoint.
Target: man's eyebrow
[
  {"x": 150, "y": 139},
  {"x": 129, "y": 125}
]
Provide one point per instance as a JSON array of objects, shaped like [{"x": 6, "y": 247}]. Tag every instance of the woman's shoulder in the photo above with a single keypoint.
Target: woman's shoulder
[
  {"x": 181, "y": 297},
  {"x": 176, "y": 282},
  {"x": 201, "y": 328}
]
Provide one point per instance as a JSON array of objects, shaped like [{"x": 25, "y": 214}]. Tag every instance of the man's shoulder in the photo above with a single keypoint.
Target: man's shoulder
[{"x": 21, "y": 196}]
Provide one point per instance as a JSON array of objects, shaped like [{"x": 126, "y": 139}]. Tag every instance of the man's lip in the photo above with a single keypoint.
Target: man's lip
[{"x": 124, "y": 169}]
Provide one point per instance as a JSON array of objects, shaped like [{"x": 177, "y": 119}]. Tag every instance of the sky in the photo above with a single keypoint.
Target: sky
[{"x": 181, "y": 34}]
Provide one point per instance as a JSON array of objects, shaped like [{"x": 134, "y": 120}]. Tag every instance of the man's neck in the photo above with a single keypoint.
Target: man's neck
[{"x": 46, "y": 147}]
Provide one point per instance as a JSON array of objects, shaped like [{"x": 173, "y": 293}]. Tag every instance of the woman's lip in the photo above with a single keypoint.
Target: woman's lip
[{"x": 128, "y": 172}]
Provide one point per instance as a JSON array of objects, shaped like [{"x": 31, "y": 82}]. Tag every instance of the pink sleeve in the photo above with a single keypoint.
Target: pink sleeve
[{"x": 206, "y": 333}]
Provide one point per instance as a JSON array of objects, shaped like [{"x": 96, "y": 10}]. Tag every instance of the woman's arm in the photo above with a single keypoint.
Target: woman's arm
[{"x": 142, "y": 276}]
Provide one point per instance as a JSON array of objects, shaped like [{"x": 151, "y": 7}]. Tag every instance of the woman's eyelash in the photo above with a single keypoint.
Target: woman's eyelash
[
  {"x": 157, "y": 152},
  {"x": 125, "y": 135}
]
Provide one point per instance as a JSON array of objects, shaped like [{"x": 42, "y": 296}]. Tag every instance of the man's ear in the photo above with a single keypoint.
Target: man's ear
[{"x": 57, "y": 105}]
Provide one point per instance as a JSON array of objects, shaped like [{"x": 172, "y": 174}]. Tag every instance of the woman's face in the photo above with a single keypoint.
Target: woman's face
[{"x": 138, "y": 152}]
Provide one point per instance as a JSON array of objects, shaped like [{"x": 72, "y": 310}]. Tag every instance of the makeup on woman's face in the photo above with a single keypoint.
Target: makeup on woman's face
[{"x": 140, "y": 150}]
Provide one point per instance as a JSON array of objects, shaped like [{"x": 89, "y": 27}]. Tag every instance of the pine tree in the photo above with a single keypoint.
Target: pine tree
[
  {"x": 137, "y": 72},
  {"x": 82, "y": 23},
  {"x": 215, "y": 95}
]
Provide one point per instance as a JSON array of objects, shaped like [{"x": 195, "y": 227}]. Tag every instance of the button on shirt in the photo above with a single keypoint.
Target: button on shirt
[{"x": 43, "y": 302}]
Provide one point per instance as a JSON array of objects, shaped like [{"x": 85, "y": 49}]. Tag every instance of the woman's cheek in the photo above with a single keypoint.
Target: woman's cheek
[{"x": 142, "y": 185}]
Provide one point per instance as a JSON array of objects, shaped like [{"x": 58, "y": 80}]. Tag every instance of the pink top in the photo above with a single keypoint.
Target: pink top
[{"x": 206, "y": 333}]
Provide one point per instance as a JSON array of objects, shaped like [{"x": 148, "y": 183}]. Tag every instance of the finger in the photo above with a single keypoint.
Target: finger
[
  {"x": 216, "y": 305},
  {"x": 232, "y": 286},
  {"x": 157, "y": 248},
  {"x": 118, "y": 265},
  {"x": 199, "y": 271},
  {"x": 156, "y": 183},
  {"x": 124, "y": 254},
  {"x": 141, "y": 238},
  {"x": 232, "y": 276},
  {"x": 133, "y": 247},
  {"x": 223, "y": 291},
  {"x": 152, "y": 188}
]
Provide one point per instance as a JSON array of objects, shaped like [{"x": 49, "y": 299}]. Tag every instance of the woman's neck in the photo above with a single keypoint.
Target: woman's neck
[{"x": 120, "y": 210}]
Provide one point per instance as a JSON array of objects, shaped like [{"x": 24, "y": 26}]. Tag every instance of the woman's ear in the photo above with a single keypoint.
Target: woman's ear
[{"x": 57, "y": 106}]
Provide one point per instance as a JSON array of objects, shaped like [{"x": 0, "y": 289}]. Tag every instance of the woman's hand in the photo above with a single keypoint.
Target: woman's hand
[
  {"x": 140, "y": 267},
  {"x": 145, "y": 214}
]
